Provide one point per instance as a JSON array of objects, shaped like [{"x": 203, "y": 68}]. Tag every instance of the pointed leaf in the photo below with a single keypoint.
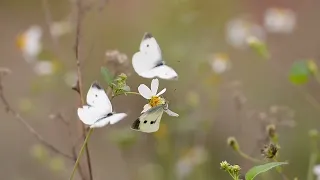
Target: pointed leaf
[
  {"x": 299, "y": 72},
  {"x": 253, "y": 172},
  {"x": 108, "y": 77}
]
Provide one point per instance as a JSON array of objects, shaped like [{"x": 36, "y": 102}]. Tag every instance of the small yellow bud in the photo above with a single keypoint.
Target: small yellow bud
[
  {"x": 224, "y": 165},
  {"x": 271, "y": 130},
  {"x": 235, "y": 168}
]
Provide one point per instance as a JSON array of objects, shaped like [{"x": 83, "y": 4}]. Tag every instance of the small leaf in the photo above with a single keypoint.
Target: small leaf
[
  {"x": 299, "y": 72},
  {"x": 108, "y": 77},
  {"x": 259, "y": 47},
  {"x": 253, "y": 172}
]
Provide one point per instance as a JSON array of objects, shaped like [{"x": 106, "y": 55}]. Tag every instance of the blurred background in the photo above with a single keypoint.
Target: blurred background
[{"x": 242, "y": 65}]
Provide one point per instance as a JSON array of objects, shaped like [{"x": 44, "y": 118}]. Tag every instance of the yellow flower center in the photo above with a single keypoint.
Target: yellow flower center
[
  {"x": 155, "y": 101},
  {"x": 21, "y": 41}
]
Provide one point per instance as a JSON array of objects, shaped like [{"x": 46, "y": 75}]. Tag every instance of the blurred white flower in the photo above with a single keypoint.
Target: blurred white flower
[
  {"x": 278, "y": 20},
  {"x": 29, "y": 42},
  {"x": 196, "y": 156},
  {"x": 43, "y": 68},
  {"x": 60, "y": 28},
  {"x": 220, "y": 63},
  {"x": 70, "y": 78},
  {"x": 238, "y": 30},
  {"x": 153, "y": 97},
  {"x": 316, "y": 171}
]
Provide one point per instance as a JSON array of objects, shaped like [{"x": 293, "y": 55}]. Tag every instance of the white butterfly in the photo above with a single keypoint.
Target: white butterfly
[
  {"x": 98, "y": 112},
  {"x": 149, "y": 121},
  {"x": 148, "y": 62}
]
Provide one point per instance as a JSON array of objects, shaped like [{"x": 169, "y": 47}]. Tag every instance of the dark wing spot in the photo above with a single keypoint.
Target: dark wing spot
[
  {"x": 136, "y": 124},
  {"x": 152, "y": 122},
  {"x": 160, "y": 63},
  {"x": 110, "y": 114},
  {"x": 147, "y": 35},
  {"x": 96, "y": 95},
  {"x": 95, "y": 84},
  {"x": 147, "y": 45},
  {"x": 145, "y": 121}
]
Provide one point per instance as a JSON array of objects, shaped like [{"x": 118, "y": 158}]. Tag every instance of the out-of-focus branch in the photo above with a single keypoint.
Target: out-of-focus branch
[
  {"x": 78, "y": 88},
  {"x": 60, "y": 117},
  {"x": 17, "y": 116}
]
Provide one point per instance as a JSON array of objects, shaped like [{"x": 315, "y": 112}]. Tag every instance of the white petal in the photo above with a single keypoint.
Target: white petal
[
  {"x": 161, "y": 92},
  {"x": 171, "y": 113},
  {"x": 146, "y": 108},
  {"x": 145, "y": 91},
  {"x": 316, "y": 170},
  {"x": 154, "y": 86}
]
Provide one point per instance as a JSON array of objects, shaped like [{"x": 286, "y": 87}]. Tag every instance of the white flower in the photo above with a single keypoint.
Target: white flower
[
  {"x": 238, "y": 30},
  {"x": 316, "y": 171},
  {"x": 279, "y": 20},
  {"x": 195, "y": 157},
  {"x": 43, "y": 67},
  {"x": 220, "y": 63},
  {"x": 153, "y": 97},
  {"x": 29, "y": 43}
]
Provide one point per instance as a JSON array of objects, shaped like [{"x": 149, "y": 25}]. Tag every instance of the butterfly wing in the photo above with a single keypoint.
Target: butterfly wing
[
  {"x": 171, "y": 113},
  {"x": 98, "y": 99},
  {"x": 112, "y": 119},
  {"x": 149, "y": 121},
  {"x": 142, "y": 63},
  {"x": 89, "y": 114},
  {"x": 149, "y": 46},
  {"x": 149, "y": 55},
  {"x": 163, "y": 72}
]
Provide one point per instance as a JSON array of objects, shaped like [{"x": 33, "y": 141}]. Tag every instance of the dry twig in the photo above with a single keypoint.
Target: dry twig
[{"x": 17, "y": 116}]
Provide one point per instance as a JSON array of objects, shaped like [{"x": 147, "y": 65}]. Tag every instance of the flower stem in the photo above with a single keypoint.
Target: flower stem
[
  {"x": 130, "y": 92},
  {"x": 80, "y": 153},
  {"x": 246, "y": 156},
  {"x": 313, "y": 159}
]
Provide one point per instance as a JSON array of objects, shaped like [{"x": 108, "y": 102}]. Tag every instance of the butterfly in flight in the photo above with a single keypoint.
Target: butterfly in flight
[{"x": 148, "y": 62}]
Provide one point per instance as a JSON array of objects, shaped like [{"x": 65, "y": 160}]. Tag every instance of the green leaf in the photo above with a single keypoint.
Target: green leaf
[
  {"x": 108, "y": 77},
  {"x": 299, "y": 72},
  {"x": 253, "y": 172},
  {"x": 259, "y": 47}
]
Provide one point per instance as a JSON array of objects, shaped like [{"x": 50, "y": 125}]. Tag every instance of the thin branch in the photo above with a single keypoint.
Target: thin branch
[
  {"x": 80, "y": 13},
  {"x": 9, "y": 109},
  {"x": 59, "y": 116}
]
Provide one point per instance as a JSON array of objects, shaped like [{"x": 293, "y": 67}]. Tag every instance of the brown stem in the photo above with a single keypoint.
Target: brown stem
[
  {"x": 9, "y": 109},
  {"x": 80, "y": 14}
]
